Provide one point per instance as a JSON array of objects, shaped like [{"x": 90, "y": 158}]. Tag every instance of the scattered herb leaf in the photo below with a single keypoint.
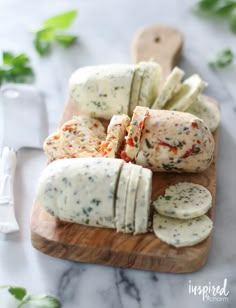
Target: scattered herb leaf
[
  {"x": 61, "y": 21},
  {"x": 43, "y": 301},
  {"x": 226, "y": 9},
  {"x": 50, "y": 32},
  {"x": 222, "y": 59},
  {"x": 148, "y": 144},
  {"x": 18, "y": 292},
  {"x": 15, "y": 68}
]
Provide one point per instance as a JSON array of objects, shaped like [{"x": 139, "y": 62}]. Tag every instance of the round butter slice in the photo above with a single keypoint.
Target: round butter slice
[
  {"x": 181, "y": 233},
  {"x": 184, "y": 201}
]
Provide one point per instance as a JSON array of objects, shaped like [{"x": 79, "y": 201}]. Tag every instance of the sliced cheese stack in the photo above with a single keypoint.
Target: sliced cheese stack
[
  {"x": 165, "y": 140},
  {"x": 181, "y": 219},
  {"x": 98, "y": 192},
  {"x": 105, "y": 90}
]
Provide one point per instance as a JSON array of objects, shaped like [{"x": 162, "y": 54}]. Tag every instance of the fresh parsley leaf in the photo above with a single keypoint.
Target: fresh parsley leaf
[
  {"x": 43, "y": 301},
  {"x": 18, "y": 292},
  {"x": 15, "y": 68},
  {"x": 61, "y": 21},
  {"x": 66, "y": 40},
  {"x": 205, "y": 5},
  {"x": 50, "y": 32},
  {"x": 232, "y": 22},
  {"x": 222, "y": 59},
  {"x": 42, "y": 47}
]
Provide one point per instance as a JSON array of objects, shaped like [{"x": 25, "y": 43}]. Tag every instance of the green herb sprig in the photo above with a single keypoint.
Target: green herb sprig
[
  {"x": 44, "y": 301},
  {"x": 222, "y": 58},
  {"x": 226, "y": 9},
  {"x": 53, "y": 30},
  {"x": 15, "y": 68}
]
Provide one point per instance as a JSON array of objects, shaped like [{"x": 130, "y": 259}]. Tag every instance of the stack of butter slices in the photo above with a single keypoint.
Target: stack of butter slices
[
  {"x": 180, "y": 219},
  {"x": 97, "y": 192}
]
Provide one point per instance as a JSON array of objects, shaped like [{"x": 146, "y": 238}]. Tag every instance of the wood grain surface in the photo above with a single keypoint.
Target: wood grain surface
[{"x": 106, "y": 246}]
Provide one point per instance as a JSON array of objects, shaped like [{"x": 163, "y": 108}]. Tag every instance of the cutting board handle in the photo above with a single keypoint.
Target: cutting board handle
[{"x": 160, "y": 43}]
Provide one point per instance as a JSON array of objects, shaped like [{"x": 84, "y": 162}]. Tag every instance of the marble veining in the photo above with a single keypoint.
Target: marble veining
[{"x": 105, "y": 29}]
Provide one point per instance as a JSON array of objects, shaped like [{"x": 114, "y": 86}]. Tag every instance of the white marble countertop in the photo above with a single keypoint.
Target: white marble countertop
[{"x": 105, "y": 28}]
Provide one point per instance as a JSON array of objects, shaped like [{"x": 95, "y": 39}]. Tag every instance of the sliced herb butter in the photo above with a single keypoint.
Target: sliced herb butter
[
  {"x": 184, "y": 200},
  {"x": 205, "y": 109},
  {"x": 170, "y": 86},
  {"x": 181, "y": 233}
]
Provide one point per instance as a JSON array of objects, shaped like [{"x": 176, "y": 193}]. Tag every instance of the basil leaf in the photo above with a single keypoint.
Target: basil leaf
[
  {"x": 61, "y": 21},
  {"x": 232, "y": 22},
  {"x": 66, "y": 39},
  {"x": 44, "y": 301},
  {"x": 222, "y": 59},
  {"x": 18, "y": 292}
]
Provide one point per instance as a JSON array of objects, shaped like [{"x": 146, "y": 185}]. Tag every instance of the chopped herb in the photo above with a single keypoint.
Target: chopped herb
[
  {"x": 148, "y": 144},
  {"x": 167, "y": 197}
]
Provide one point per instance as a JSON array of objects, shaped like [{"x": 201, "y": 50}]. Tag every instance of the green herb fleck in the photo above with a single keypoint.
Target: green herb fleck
[
  {"x": 167, "y": 197},
  {"x": 148, "y": 144}
]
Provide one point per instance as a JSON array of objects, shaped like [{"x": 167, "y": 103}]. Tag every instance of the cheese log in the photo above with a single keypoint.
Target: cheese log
[
  {"x": 116, "y": 132},
  {"x": 170, "y": 86},
  {"x": 175, "y": 141},
  {"x": 81, "y": 190},
  {"x": 187, "y": 94},
  {"x": 184, "y": 201},
  {"x": 150, "y": 83},
  {"x": 143, "y": 200},
  {"x": 206, "y": 110},
  {"x": 134, "y": 133},
  {"x": 181, "y": 233},
  {"x": 103, "y": 90},
  {"x": 131, "y": 199},
  {"x": 79, "y": 137},
  {"x": 136, "y": 88},
  {"x": 121, "y": 197}
]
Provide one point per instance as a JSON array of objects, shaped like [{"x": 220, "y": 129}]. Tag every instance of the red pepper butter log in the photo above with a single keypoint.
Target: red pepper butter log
[{"x": 174, "y": 141}]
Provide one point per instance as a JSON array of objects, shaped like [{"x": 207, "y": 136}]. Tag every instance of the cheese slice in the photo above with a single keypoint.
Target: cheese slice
[
  {"x": 150, "y": 83},
  {"x": 181, "y": 233},
  {"x": 116, "y": 132},
  {"x": 103, "y": 90},
  {"x": 205, "y": 109},
  {"x": 81, "y": 190},
  {"x": 135, "y": 131},
  {"x": 184, "y": 201},
  {"x": 170, "y": 86},
  {"x": 143, "y": 200},
  {"x": 131, "y": 199},
  {"x": 187, "y": 94},
  {"x": 136, "y": 88},
  {"x": 121, "y": 196}
]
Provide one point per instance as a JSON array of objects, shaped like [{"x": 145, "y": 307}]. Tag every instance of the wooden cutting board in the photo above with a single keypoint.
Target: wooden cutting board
[{"x": 106, "y": 246}]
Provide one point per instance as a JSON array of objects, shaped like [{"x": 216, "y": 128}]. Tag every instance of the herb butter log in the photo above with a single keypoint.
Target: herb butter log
[
  {"x": 104, "y": 90},
  {"x": 174, "y": 141},
  {"x": 81, "y": 190}
]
